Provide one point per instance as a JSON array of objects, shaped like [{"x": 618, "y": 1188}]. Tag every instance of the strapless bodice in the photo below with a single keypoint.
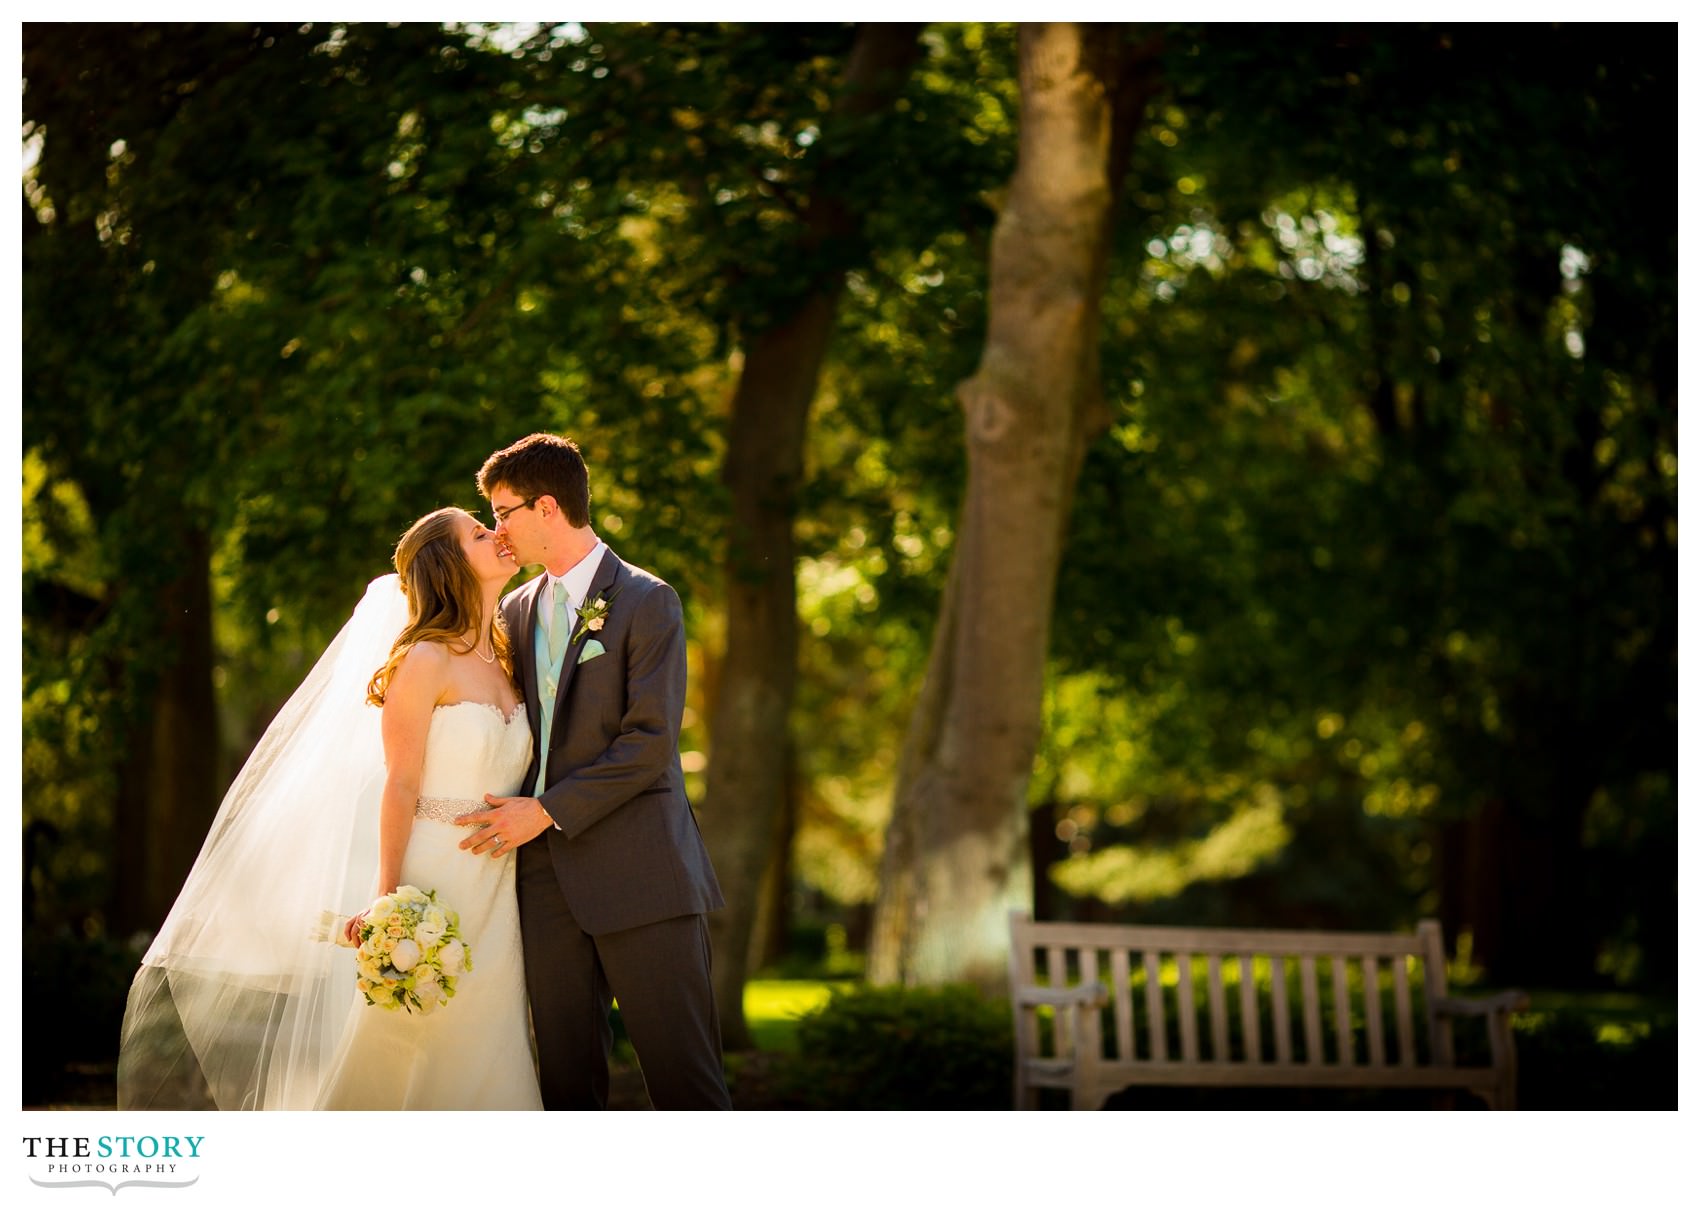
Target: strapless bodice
[{"x": 472, "y": 748}]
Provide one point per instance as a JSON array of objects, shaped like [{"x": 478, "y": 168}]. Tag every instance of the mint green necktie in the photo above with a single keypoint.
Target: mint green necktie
[{"x": 559, "y": 627}]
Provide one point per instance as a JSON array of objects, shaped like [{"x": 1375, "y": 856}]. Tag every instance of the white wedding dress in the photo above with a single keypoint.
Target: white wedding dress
[
  {"x": 244, "y": 1002},
  {"x": 473, "y": 1052}
]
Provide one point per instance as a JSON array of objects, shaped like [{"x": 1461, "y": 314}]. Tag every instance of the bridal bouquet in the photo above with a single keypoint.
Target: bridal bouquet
[{"x": 410, "y": 953}]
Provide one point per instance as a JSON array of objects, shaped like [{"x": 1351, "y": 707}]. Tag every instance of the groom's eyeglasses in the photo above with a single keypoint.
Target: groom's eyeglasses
[{"x": 502, "y": 515}]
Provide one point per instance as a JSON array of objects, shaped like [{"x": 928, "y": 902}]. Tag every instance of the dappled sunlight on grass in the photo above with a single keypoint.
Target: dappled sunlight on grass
[
  {"x": 1254, "y": 833},
  {"x": 772, "y": 1008},
  {"x": 1611, "y": 1019}
]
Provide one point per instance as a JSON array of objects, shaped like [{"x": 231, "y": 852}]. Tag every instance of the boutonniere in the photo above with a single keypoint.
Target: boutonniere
[{"x": 592, "y": 616}]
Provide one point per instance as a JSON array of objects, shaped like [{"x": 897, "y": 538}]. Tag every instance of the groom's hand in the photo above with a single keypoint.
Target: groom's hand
[{"x": 509, "y": 822}]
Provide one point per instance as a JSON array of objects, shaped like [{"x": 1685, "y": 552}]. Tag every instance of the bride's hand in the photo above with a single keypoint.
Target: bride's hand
[{"x": 351, "y": 931}]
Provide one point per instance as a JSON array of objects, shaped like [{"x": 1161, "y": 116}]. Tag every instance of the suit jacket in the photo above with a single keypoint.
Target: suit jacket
[{"x": 628, "y": 851}]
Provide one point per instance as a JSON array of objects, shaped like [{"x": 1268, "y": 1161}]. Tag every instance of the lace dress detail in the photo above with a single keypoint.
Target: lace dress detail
[
  {"x": 449, "y": 811},
  {"x": 473, "y": 1052}
]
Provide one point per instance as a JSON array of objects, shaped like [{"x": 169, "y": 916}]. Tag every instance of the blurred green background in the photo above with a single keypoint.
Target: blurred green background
[{"x": 1368, "y": 602}]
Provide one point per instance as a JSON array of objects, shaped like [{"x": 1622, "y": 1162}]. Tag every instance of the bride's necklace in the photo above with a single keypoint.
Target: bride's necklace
[{"x": 488, "y": 660}]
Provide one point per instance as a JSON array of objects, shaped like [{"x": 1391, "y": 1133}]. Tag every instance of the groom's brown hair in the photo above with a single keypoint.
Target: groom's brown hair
[{"x": 542, "y": 464}]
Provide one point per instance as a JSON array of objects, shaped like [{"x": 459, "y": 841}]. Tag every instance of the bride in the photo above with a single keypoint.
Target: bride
[{"x": 244, "y": 1001}]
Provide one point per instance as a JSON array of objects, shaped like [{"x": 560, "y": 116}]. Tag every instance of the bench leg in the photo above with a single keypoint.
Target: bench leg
[
  {"x": 1084, "y": 1100},
  {"x": 1086, "y": 1093},
  {"x": 1504, "y": 1062}
]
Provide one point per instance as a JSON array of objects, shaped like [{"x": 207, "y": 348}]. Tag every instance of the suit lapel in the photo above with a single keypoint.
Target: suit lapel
[{"x": 607, "y": 573}]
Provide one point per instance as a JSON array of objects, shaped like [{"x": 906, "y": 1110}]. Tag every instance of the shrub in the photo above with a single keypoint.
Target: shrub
[
  {"x": 902, "y": 1050},
  {"x": 1571, "y": 1059},
  {"x": 73, "y": 1002}
]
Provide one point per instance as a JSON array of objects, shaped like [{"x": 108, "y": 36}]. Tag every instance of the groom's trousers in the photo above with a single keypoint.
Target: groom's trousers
[{"x": 660, "y": 974}]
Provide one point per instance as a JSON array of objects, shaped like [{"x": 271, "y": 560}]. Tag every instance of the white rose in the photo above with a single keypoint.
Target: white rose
[
  {"x": 381, "y": 909},
  {"x": 452, "y": 957},
  {"x": 596, "y": 623},
  {"x": 431, "y": 927},
  {"x": 404, "y": 955}
]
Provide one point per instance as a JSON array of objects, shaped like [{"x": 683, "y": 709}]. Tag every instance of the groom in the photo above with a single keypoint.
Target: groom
[{"x": 613, "y": 877}]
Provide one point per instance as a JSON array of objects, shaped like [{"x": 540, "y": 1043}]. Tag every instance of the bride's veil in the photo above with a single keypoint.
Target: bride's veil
[{"x": 243, "y": 995}]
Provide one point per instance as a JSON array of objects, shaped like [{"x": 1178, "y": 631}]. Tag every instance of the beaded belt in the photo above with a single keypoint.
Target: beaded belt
[{"x": 432, "y": 808}]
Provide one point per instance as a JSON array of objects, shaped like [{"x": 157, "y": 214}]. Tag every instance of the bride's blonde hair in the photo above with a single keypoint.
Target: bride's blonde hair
[{"x": 443, "y": 598}]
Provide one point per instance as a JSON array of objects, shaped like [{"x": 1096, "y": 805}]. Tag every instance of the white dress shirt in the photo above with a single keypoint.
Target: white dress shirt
[{"x": 577, "y": 581}]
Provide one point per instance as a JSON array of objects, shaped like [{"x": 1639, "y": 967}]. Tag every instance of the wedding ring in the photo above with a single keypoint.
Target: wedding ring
[{"x": 497, "y": 838}]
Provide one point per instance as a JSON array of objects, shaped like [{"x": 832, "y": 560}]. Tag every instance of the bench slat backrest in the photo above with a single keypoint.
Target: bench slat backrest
[
  {"x": 1402, "y": 1007},
  {"x": 1153, "y": 1010},
  {"x": 1278, "y": 1003},
  {"x": 1313, "y": 1009},
  {"x": 1372, "y": 1012},
  {"x": 1248, "y": 1004},
  {"x": 1153, "y": 1015},
  {"x": 1218, "y": 1010},
  {"x": 1188, "y": 1019},
  {"x": 1121, "y": 977}
]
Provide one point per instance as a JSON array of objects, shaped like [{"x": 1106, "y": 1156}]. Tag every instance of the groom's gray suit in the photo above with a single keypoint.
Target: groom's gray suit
[{"x": 612, "y": 903}]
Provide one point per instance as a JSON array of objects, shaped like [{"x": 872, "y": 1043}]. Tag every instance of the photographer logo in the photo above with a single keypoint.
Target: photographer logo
[{"x": 113, "y": 1162}]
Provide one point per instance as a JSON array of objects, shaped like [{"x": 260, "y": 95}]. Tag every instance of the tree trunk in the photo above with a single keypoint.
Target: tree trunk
[
  {"x": 1515, "y": 877},
  {"x": 771, "y": 928},
  {"x": 130, "y": 905},
  {"x": 956, "y": 857},
  {"x": 762, "y": 472},
  {"x": 169, "y": 788}
]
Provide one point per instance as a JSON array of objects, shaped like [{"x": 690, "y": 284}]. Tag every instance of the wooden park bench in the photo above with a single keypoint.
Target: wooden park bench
[{"x": 1122, "y": 1011}]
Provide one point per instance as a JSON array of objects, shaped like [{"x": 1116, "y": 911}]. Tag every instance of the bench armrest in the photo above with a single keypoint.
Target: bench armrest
[
  {"x": 1094, "y": 995},
  {"x": 1496, "y": 1010},
  {"x": 1498, "y": 1003}
]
